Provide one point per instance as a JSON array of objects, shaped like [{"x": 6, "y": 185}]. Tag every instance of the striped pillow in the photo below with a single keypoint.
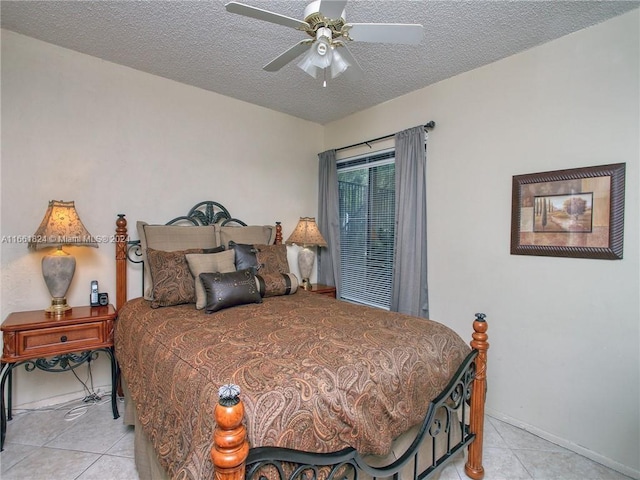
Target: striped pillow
[{"x": 274, "y": 284}]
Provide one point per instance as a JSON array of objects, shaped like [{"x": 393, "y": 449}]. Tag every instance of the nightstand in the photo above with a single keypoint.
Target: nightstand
[
  {"x": 37, "y": 339},
  {"x": 326, "y": 290}
]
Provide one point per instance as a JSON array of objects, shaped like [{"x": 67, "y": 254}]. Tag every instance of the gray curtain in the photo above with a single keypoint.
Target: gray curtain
[
  {"x": 329, "y": 221},
  {"x": 409, "y": 287}
]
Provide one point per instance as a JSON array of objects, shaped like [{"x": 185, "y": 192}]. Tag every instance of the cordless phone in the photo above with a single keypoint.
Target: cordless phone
[{"x": 94, "y": 294}]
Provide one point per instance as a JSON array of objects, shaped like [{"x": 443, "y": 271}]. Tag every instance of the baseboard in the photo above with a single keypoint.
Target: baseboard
[{"x": 590, "y": 454}]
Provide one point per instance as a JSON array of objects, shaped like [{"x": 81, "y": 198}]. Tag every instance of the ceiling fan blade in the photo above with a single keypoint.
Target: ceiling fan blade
[
  {"x": 267, "y": 16},
  {"x": 385, "y": 32},
  {"x": 286, "y": 57},
  {"x": 354, "y": 71},
  {"x": 332, "y": 8}
]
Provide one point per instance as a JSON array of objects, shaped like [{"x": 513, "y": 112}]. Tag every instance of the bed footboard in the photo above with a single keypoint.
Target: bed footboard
[{"x": 462, "y": 399}]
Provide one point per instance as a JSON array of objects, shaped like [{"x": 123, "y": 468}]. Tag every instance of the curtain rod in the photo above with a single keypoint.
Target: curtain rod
[{"x": 427, "y": 125}]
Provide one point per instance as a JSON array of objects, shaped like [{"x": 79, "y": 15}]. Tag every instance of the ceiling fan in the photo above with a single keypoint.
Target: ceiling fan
[{"x": 326, "y": 50}]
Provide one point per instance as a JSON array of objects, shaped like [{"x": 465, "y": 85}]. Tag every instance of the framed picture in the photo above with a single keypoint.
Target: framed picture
[{"x": 569, "y": 213}]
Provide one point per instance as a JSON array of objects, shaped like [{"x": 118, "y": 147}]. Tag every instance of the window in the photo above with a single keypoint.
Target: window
[{"x": 366, "y": 187}]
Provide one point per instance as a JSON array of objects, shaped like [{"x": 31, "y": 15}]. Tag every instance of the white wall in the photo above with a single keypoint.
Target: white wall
[
  {"x": 564, "y": 358},
  {"x": 116, "y": 140}
]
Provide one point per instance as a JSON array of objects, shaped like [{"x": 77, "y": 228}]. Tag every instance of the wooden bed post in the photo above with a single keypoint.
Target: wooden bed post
[
  {"x": 122, "y": 238},
  {"x": 278, "y": 233},
  {"x": 473, "y": 468},
  {"x": 230, "y": 445},
  {"x": 121, "y": 260}
]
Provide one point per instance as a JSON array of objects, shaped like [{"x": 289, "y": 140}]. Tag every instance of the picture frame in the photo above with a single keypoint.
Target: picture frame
[{"x": 575, "y": 213}]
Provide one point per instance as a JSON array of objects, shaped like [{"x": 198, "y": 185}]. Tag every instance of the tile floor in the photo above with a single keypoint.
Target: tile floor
[{"x": 54, "y": 444}]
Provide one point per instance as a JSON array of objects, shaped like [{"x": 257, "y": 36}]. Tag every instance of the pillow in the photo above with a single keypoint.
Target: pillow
[
  {"x": 248, "y": 235},
  {"x": 245, "y": 256},
  {"x": 272, "y": 259},
  {"x": 223, "y": 262},
  {"x": 172, "y": 280},
  {"x": 273, "y": 284},
  {"x": 226, "y": 290},
  {"x": 170, "y": 238}
]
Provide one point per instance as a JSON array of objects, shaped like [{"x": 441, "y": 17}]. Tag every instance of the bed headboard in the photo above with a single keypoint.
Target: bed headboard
[{"x": 203, "y": 213}]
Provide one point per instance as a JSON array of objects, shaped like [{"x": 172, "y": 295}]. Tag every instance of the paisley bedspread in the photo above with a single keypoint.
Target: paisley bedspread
[{"x": 316, "y": 374}]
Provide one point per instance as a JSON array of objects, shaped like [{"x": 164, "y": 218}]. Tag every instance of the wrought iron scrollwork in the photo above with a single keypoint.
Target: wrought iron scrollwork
[
  {"x": 61, "y": 363},
  {"x": 213, "y": 213},
  {"x": 287, "y": 464},
  {"x": 134, "y": 251},
  {"x": 206, "y": 213},
  {"x": 233, "y": 220}
]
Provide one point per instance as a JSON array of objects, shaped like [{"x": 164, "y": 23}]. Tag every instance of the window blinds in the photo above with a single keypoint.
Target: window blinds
[{"x": 367, "y": 220}]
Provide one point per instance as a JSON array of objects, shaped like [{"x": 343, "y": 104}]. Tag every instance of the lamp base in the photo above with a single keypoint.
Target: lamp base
[
  {"x": 57, "y": 270},
  {"x": 306, "y": 257},
  {"x": 58, "y": 306}
]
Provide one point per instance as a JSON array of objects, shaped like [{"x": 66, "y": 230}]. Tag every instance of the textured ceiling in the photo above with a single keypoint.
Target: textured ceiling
[{"x": 199, "y": 43}]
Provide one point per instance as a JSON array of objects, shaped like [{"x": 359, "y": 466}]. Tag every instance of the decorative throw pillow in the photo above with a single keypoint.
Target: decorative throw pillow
[
  {"x": 226, "y": 290},
  {"x": 223, "y": 262},
  {"x": 272, "y": 259},
  {"x": 273, "y": 284},
  {"x": 171, "y": 238},
  {"x": 245, "y": 256},
  {"x": 172, "y": 280}
]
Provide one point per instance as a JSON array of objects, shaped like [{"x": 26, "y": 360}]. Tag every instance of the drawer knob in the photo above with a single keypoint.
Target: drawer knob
[{"x": 63, "y": 338}]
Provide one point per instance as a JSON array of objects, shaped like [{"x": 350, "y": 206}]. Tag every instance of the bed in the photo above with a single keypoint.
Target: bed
[{"x": 244, "y": 375}]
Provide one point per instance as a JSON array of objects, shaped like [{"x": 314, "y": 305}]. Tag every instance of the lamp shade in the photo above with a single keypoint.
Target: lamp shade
[
  {"x": 307, "y": 234},
  {"x": 61, "y": 225}
]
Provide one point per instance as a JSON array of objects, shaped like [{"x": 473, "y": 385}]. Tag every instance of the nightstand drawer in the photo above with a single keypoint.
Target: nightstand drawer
[{"x": 57, "y": 339}]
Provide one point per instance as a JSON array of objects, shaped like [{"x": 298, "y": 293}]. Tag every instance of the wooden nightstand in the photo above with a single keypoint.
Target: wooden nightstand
[
  {"x": 37, "y": 339},
  {"x": 326, "y": 290}
]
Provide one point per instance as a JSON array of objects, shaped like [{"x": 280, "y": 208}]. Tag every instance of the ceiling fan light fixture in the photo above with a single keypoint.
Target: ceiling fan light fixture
[
  {"x": 307, "y": 65},
  {"x": 320, "y": 55},
  {"x": 321, "y": 48},
  {"x": 322, "y": 52},
  {"x": 338, "y": 64}
]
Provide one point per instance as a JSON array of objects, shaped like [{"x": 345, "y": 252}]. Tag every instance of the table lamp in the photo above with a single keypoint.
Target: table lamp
[
  {"x": 60, "y": 226},
  {"x": 306, "y": 235}
]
